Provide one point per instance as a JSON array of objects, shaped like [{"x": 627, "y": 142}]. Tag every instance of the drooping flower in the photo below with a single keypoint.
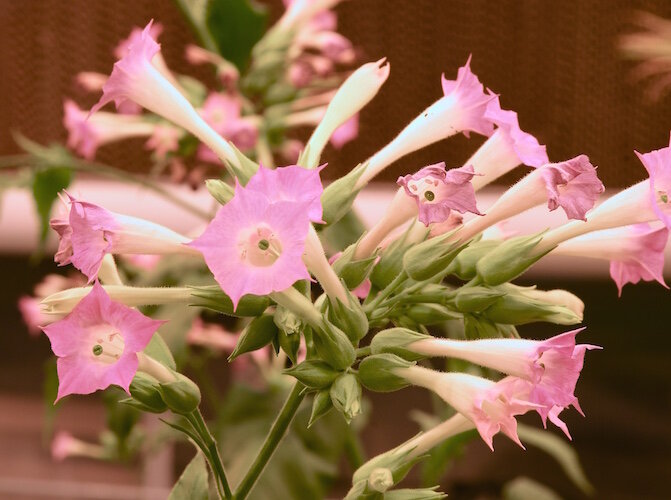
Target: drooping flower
[
  {"x": 438, "y": 191},
  {"x": 135, "y": 78},
  {"x": 646, "y": 201},
  {"x": 635, "y": 252},
  {"x": 88, "y": 232},
  {"x": 291, "y": 183},
  {"x": 97, "y": 344},
  {"x": 85, "y": 136},
  {"x": 253, "y": 246},
  {"x": 572, "y": 185},
  {"x": 65, "y": 445},
  {"x": 484, "y": 402},
  {"x": 508, "y": 147},
  {"x": 462, "y": 109},
  {"x": 31, "y": 310}
]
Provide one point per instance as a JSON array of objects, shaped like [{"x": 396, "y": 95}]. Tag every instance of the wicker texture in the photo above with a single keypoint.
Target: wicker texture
[{"x": 555, "y": 63}]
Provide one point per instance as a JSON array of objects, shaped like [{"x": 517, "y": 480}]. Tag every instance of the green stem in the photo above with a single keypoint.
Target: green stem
[
  {"x": 196, "y": 419},
  {"x": 388, "y": 290},
  {"x": 198, "y": 27},
  {"x": 273, "y": 439}
]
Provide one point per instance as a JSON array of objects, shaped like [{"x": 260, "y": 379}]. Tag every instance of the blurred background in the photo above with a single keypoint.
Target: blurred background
[{"x": 555, "y": 63}]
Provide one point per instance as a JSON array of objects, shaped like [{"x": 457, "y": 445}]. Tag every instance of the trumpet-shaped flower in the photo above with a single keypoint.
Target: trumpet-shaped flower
[
  {"x": 658, "y": 165},
  {"x": 136, "y": 78},
  {"x": 254, "y": 246},
  {"x": 462, "y": 109},
  {"x": 484, "y": 402},
  {"x": 438, "y": 191},
  {"x": 88, "y": 232},
  {"x": 86, "y": 136},
  {"x": 291, "y": 183},
  {"x": 97, "y": 344},
  {"x": 508, "y": 147},
  {"x": 635, "y": 252}
]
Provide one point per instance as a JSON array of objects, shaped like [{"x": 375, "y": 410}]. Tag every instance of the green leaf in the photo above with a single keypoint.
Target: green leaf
[
  {"x": 158, "y": 349},
  {"x": 47, "y": 184},
  {"x": 193, "y": 483},
  {"x": 561, "y": 451},
  {"x": 236, "y": 26}
]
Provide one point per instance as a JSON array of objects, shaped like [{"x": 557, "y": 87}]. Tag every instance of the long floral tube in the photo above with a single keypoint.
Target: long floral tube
[{"x": 63, "y": 302}]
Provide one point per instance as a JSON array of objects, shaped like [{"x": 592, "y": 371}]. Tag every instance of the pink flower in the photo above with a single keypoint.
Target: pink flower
[
  {"x": 438, "y": 191},
  {"x": 573, "y": 185},
  {"x": 63, "y": 445},
  {"x": 97, "y": 344},
  {"x": 164, "y": 140},
  {"x": 32, "y": 314},
  {"x": 222, "y": 113},
  {"x": 86, "y": 136},
  {"x": 346, "y": 132},
  {"x": 253, "y": 246},
  {"x": 635, "y": 252},
  {"x": 470, "y": 113},
  {"x": 507, "y": 148},
  {"x": 525, "y": 146},
  {"x": 88, "y": 232},
  {"x": 462, "y": 109},
  {"x": 291, "y": 183},
  {"x": 136, "y": 36},
  {"x": 484, "y": 402},
  {"x": 141, "y": 77},
  {"x": 658, "y": 165}
]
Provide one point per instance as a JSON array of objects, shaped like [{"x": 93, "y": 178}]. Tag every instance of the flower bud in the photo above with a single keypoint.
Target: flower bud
[
  {"x": 430, "y": 314},
  {"x": 350, "y": 318},
  {"x": 259, "y": 333},
  {"x": 394, "y": 341},
  {"x": 415, "y": 494},
  {"x": 390, "y": 264},
  {"x": 463, "y": 265},
  {"x": 321, "y": 405},
  {"x": 377, "y": 372},
  {"x": 313, "y": 373},
  {"x": 509, "y": 259},
  {"x": 346, "y": 395},
  {"x": 474, "y": 299},
  {"x": 287, "y": 321},
  {"x": 338, "y": 196},
  {"x": 517, "y": 309},
  {"x": 333, "y": 346},
  {"x": 219, "y": 190},
  {"x": 144, "y": 390},
  {"x": 182, "y": 396},
  {"x": 212, "y": 297},
  {"x": 380, "y": 479},
  {"x": 355, "y": 92},
  {"x": 430, "y": 257}
]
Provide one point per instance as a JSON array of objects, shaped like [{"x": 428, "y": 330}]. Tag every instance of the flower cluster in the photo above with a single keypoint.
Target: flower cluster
[{"x": 364, "y": 317}]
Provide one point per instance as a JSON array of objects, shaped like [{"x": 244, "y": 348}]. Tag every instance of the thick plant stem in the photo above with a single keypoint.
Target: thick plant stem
[
  {"x": 273, "y": 439},
  {"x": 213, "y": 455}
]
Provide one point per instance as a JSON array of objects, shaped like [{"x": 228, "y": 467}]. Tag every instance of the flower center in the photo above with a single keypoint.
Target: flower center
[
  {"x": 663, "y": 196},
  {"x": 429, "y": 195},
  {"x": 108, "y": 344},
  {"x": 424, "y": 189},
  {"x": 260, "y": 247}
]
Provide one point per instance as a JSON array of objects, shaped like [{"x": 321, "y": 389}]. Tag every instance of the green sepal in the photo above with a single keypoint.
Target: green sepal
[
  {"x": 430, "y": 257},
  {"x": 430, "y": 314},
  {"x": 390, "y": 264},
  {"x": 479, "y": 327},
  {"x": 345, "y": 395},
  {"x": 145, "y": 390},
  {"x": 246, "y": 169},
  {"x": 212, "y": 297},
  {"x": 314, "y": 373},
  {"x": 259, "y": 333},
  {"x": 220, "y": 190},
  {"x": 353, "y": 272},
  {"x": 415, "y": 494},
  {"x": 290, "y": 344},
  {"x": 321, "y": 405},
  {"x": 394, "y": 341},
  {"x": 377, "y": 372},
  {"x": 338, "y": 196},
  {"x": 182, "y": 396},
  {"x": 509, "y": 259}
]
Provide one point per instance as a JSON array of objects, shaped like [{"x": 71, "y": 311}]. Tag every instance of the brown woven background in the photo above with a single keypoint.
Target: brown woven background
[{"x": 553, "y": 62}]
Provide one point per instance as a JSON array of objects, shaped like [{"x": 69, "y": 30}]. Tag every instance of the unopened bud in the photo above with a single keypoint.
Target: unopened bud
[
  {"x": 394, "y": 341},
  {"x": 338, "y": 196},
  {"x": 475, "y": 299},
  {"x": 314, "y": 373},
  {"x": 220, "y": 190},
  {"x": 380, "y": 479},
  {"x": 377, "y": 372},
  {"x": 145, "y": 390},
  {"x": 463, "y": 265},
  {"x": 182, "y": 396},
  {"x": 509, "y": 259},
  {"x": 346, "y": 395},
  {"x": 430, "y": 257}
]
